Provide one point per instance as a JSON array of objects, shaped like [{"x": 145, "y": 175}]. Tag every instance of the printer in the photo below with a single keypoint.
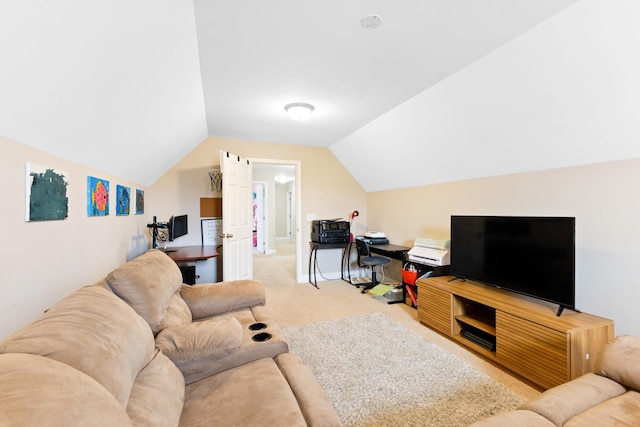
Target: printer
[
  {"x": 376, "y": 238},
  {"x": 433, "y": 252}
]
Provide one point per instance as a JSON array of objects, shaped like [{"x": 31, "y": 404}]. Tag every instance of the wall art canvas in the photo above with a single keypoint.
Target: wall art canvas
[
  {"x": 46, "y": 198},
  {"x": 97, "y": 196},
  {"x": 139, "y": 202},
  {"x": 123, "y": 200}
]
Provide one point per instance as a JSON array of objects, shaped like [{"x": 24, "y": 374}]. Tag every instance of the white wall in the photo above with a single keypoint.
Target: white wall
[
  {"x": 604, "y": 198},
  {"x": 328, "y": 190},
  {"x": 44, "y": 261},
  {"x": 564, "y": 93},
  {"x": 119, "y": 74}
]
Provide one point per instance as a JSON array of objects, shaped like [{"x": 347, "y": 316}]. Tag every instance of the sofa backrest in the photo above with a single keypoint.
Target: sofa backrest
[
  {"x": 150, "y": 284},
  {"x": 619, "y": 361},
  {"x": 95, "y": 332}
]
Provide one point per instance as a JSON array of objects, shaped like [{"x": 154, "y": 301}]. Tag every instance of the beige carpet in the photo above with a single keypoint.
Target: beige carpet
[
  {"x": 377, "y": 373},
  {"x": 292, "y": 303}
]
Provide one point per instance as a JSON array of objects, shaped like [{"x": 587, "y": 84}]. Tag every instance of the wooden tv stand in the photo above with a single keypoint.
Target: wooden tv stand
[{"x": 522, "y": 334}]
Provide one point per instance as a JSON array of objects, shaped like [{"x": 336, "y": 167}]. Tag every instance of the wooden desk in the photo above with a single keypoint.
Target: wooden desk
[
  {"x": 186, "y": 258},
  {"x": 191, "y": 253}
]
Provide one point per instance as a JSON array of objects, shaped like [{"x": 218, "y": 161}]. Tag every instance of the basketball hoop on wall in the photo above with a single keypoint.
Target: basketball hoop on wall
[{"x": 216, "y": 180}]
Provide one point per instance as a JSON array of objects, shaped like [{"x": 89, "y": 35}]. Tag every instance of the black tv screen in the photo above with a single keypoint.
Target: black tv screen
[
  {"x": 178, "y": 226},
  {"x": 534, "y": 256}
]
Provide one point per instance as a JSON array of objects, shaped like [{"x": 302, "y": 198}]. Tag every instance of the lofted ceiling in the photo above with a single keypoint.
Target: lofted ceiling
[
  {"x": 132, "y": 87},
  {"x": 258, "y": 56}
]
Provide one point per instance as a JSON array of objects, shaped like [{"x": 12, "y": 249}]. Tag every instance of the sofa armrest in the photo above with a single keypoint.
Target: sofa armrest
[
  {"x": 519, "y": 418},
  {"x": 209, "y": 299},
  {"x": 198, "y": 340},
  {"x": 619, "y": 361},
  {"x": 313, "y": 403},
  {"x": 561, "y": 403}
]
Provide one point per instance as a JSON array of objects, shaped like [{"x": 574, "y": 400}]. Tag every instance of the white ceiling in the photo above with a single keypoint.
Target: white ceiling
[
  {"x": 129, "y": 88},
  {"x": 258, "y": 56}
]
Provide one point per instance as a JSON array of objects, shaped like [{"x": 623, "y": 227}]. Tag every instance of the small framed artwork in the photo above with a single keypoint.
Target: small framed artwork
[
  {"x": 123, "y": 200},
  {"x": 139, "y": 201},
  {"x": 97, "y": 196},
  {"x": 46, "y": 198}
]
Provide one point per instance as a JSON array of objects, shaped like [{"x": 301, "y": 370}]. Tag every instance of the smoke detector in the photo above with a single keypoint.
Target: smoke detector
[{"x": 371, "y": 21}]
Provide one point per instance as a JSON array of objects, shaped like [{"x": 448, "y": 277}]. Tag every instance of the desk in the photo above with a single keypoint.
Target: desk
[
  {"x": 390, "y": 251},
  {"x": 396, "y": 252},
  {"x": 313, "y": 257},
  {"x": 190, "y": 254}
]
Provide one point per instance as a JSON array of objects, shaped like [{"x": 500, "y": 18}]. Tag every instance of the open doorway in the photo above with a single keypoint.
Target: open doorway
[
  {"x": 280, "y": 209},
  {"x": 259, "y": 200}
]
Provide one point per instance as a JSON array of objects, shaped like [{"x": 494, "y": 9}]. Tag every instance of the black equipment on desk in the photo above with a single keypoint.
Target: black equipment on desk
[
  {"x": 376, "y": 240},
  {"x": 330, "y": 231}
]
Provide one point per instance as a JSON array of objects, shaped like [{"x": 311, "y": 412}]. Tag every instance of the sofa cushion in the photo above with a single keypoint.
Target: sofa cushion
[
  {"x": 248, "y": 351},
  {"x": 567, "y": 400},
  {"x": 177, "y": 314},
  {"x": 197, "y": 340},
  {"x": 38, "y": 391},
  {"x": 254, "y": 394},
  {"x": 157, "y": 396},
  {"x": 147, "y": 283},
  {"x": 619, "y": 361},
  {"x": 620, "y": 411},
  {"x": 210, "y": 299},
  {"x": 93, "y": 331}
]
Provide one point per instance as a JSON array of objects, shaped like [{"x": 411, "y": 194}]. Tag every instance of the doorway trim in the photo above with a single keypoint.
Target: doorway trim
[{"x": 298, "y": 207}]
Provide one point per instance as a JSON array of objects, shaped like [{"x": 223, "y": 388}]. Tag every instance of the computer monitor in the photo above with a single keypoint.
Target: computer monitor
[{"x": 178, "y": 226}]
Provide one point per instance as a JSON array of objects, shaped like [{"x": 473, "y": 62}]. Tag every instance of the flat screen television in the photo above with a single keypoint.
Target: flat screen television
[
  {"x": 178, "y": 226},
  {"x": 534, "y": 256}
]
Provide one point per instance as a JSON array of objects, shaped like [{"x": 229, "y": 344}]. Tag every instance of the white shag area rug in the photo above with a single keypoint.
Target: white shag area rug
[{"x": 376, "y": 372}]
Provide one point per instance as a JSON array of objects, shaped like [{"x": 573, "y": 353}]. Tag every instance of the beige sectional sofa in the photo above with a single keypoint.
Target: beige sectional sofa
[
  {"x": 142, "y": 349},
  {"x": 609, "y": 397}
]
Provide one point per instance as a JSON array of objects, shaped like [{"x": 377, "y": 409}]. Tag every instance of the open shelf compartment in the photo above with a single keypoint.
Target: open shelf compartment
[{"x": 475, "y": 322}]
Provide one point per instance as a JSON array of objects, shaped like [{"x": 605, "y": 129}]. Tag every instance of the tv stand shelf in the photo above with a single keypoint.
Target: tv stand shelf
[
  {"x": 520, "y": 333},
  {"x": 476, "y": 324}
]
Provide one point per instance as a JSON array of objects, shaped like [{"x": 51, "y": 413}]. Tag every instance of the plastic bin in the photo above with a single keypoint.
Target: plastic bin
[{"x": 409, "y": 277}]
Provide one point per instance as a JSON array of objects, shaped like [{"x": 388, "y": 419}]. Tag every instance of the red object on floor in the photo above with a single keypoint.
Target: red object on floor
[{"x": 411, "y": 295}]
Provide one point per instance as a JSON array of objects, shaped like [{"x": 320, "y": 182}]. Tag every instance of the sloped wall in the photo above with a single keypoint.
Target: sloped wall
[
  {"x": 44, "y": 261},
  {"x": 563, "y": 94}
]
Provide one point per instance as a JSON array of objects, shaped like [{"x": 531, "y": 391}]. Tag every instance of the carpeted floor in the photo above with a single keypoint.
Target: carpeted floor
[
  {"x": 298, "y": 304},
  {"x": 376, "y": 372}
]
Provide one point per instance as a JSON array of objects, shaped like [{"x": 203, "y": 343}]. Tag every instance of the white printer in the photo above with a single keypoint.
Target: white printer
[{"x": 434, "y": 252}]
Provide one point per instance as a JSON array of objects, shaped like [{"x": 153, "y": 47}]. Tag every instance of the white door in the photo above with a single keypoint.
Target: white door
[{"x": 237, "y": 242}]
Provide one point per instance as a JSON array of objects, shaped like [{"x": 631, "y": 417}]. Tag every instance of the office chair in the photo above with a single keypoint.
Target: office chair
[{"x": 366, "y": 260}]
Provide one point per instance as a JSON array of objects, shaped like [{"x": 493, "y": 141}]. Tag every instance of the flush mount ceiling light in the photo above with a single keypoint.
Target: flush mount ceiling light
[
  {"x": 299, "y": 110},
  {"x": 371, "y": 21}
]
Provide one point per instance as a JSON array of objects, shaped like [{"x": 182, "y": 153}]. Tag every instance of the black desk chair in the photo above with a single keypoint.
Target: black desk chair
[{"x": 366, "y": 260}]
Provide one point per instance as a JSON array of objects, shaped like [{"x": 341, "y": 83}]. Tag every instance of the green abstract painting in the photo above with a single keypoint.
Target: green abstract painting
[{"x": 46, "y": 194}]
